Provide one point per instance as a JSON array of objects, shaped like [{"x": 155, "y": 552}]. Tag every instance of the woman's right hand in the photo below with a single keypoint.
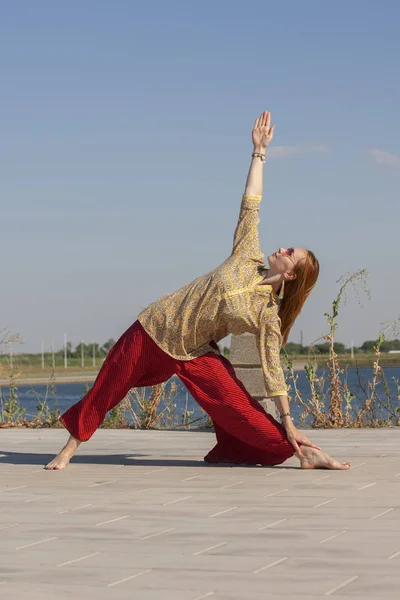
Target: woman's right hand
[
  {"x": 296, "y": 437},
  {"x": 262, "y": 133}
]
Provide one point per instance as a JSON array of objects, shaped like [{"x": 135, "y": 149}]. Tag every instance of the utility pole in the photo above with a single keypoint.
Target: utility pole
[
  {"x": 94, "y": 355},
  {"x": 65, "y": 352},
  {"x": 82, "y": 355},
  {"x": 42, "y": 354},
  {"x": 53, "y": 362}
]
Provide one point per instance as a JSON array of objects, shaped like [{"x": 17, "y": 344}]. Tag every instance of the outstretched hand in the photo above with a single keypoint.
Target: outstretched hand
[
  {"x": 262, "y": 133},
  {"x": 295, "y": 437}
]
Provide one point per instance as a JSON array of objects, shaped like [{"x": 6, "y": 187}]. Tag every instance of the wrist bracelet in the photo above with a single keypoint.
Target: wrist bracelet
[
  {"x": 285, "y": 415},
  {"x": 259, "y": 155}
]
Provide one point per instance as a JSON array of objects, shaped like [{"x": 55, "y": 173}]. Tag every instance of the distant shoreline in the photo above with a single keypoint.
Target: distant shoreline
[
  {"x": 42, "y": 380},
  {"x": 39, "y": 378}
]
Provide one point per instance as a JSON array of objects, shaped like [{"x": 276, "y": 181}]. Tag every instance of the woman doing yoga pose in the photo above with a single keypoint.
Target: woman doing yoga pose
[{"x": 178, "y": 335}]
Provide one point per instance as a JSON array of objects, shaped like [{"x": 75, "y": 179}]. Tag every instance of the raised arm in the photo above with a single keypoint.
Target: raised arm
[
  {"x": 246, "y": 241},
  {"x": 262, "y": 135}
]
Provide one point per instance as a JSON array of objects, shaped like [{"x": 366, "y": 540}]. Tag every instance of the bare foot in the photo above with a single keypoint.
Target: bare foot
[
  {"x": 317, "y": 459},
  {"x": 61, "y": 461}
]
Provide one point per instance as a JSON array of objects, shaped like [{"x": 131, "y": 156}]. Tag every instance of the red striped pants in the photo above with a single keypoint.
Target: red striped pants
[{"x": 245, "y": 432}]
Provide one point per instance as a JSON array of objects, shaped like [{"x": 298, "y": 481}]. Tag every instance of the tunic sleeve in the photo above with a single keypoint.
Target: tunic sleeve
[
  {"x": 246, "y": 243},
  {"x": 269, "y": 341}
]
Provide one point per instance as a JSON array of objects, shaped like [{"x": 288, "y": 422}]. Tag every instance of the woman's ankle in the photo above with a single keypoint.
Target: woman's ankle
[{"x": 73, "y": 443}]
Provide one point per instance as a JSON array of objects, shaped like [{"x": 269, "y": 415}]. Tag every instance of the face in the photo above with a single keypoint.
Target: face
[{"x": 284, "y": 261}]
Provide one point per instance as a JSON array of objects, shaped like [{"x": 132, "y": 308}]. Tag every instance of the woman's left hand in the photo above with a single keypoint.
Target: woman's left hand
[{"x": 295, "y": 437}]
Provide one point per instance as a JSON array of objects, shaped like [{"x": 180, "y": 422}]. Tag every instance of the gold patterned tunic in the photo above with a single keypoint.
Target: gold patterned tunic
[{"x": 228, "y": 300}]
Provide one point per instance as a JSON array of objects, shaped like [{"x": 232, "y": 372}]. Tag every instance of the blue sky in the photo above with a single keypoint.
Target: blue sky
[{"x": 125, "y": 145}]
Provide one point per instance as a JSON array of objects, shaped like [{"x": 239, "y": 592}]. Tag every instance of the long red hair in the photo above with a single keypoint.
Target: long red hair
[{"x": 296, "y": 292}]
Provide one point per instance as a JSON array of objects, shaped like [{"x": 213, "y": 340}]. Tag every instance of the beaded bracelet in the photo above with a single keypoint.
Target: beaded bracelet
[
  {"x": 259, "y": 155},
  {"x": 285, "y": 415}
]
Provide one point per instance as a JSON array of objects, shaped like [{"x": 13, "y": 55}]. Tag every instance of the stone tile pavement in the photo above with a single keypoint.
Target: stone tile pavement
[{"x": 139, "y": 515}]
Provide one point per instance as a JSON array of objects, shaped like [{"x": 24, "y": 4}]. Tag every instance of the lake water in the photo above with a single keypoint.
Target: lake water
[{"x": 69, "y": 393}]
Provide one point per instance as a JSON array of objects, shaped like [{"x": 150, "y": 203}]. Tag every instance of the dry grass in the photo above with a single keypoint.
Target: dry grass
[
  {"x": 342, "y": 408},
  {"x": 328, "y": 404}
]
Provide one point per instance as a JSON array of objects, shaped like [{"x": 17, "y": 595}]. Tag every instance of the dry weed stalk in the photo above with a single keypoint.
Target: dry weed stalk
[
  {"x": 46, "y": 417},
  {"x": 144, "y": 409},
  {"x": 292, "y": 378},
  {"x": 11, "y": 411},
  {"x": 316, "y": 383},
  {"x": 337, "y": 388},
  {"x": 372, "y": 401}
]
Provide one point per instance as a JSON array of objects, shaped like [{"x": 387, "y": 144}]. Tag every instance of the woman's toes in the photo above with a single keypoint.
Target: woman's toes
[
  {"x": 334, "y": 464},
  {"x": 57, "y": 464},
  {"x": 317, "y": 459}
]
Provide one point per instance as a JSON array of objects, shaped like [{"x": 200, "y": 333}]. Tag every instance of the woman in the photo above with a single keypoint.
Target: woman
[{"x": 177, "y": 335}]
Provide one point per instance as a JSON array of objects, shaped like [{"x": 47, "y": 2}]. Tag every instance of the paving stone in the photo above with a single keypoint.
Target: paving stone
[{"x": 139, "y": 514}]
